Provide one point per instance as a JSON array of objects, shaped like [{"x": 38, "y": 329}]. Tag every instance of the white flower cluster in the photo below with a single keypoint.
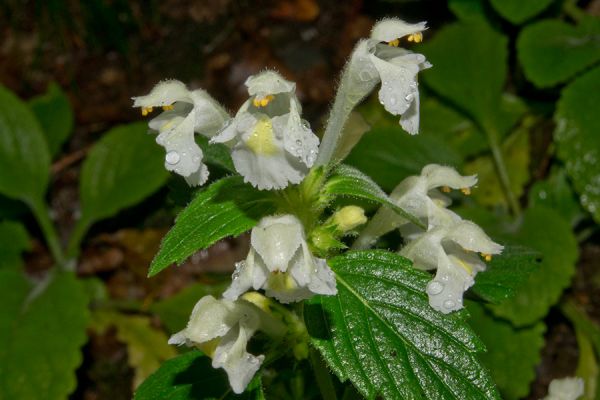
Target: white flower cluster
[
  {"x": 449, "y": 244},
  {"x": 565, "y": 389}
]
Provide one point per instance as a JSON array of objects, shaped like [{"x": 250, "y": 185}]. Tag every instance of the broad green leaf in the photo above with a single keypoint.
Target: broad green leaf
[
  {"x": 553, "y": 51},
  {"x": 216, "y": 154},
  {"x": 470, "y": 68},
  {"x": 380, "y": 332},
  {"x": 13, "y": 241},
  {"x": 54, "y": 113},
  {"x": 468, "y": 10},
  {"x": 349, "y": 181},
  {"x": 517, "y": 11},
  {"x": 191, "y": 377},
  {"x": 506, "y": 273},
  {"x": 228, "y": 207},
  {"x": 175, "y": 311},
  {"x": 512, "y": 354},
  {"x": 401, "y": 156},
  {"x": 544, "y": 231},
  {"x": 577, "y": 137},
  {"x": 515, "y": 151},
  {"x": 555, "y": 192},
  {"x": 147, "y": 347},
  {"x": 11, "y": 209},
  {"x": 41, "y": 330},
  {"x": 24, "y": 157},
  {"x": 123, "y": 168}
]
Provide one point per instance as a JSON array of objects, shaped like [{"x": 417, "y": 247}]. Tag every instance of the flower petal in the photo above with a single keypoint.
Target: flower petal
[
  {"x": 276, "y": 240},
  {"x": 439, "y": 175},
  {"x": 398, "y": 84},
  {"x": 164, "y": 93},
  {"x": 389, "y": 29},
  {"x": 298, "y": 139},
  {"x": 268, "y": 82},
  {"x": 471, "y": 237},
  {"x": 446, "y": 289}
]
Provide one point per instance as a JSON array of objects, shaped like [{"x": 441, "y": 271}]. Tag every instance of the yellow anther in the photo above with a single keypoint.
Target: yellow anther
[
  {"x": 446, "y": 189},
  {"x": 394, "y": 43},
  {"x": 486, "y": 257},
  {"x": 168, "y": 107},
  {"x": 466, "y": 191},
  {"x": 146, "y": 110},
  {"x": 263, "y": 102},
  {"x": 415, "y": 37}
]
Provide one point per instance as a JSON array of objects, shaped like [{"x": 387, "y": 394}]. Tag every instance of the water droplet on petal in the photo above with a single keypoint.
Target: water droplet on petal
[
  {"x": 172, "y": 157},
  {"x": 298, "y": 142},
  {"x": 449, "y": 304},
  {"x": 408, "y": 97},
  {"x": 393, "y": 100},
  {"x": 435, "y": 287}
]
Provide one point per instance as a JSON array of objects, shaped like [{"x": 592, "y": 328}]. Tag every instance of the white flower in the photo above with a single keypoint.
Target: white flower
[
  {"x": 222, "y": 329},
  {"x": 271, "y": 145},
  {"x": 280, "y": 262},
  {"x": 565, "y": 389},
  {"x": 397, "y": 68},
  {"x": 451, "y": 249},
  {"x": 185, "y": 112}
]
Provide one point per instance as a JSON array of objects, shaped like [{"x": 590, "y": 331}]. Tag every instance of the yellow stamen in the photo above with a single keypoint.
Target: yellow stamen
[
  {"x": 168, "y": 107},
  {"x": 261, "y": 139},
  {"x": 394, "y": 43},
  {"x": 446, "y": 189},
  {"x": 262, "y": 102},
  {"x": 415, "y": 37},
  {"x": 146, "y": 111},
  {"x": 466, "y": 191},
  {"x": 486, "y": 257}
]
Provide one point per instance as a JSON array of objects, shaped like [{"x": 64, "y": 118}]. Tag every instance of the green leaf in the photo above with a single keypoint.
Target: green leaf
[
  {"x": 349, "y": 181},
  {"x": 54, "y": 113},
  {"x": 41, "y": 331},
  {"x": 191, "y": 377},
  {"x": 24, "y": 157},
  {"x": 556, "y": 193},
  {"x": 512, "y": 353},
  {"x": 147, "y": 347},
  {"x": 553, "y": 51},
  {"x": 403, "y": 155},
  {"x": 469, "y": 61},
  {"x": 13, "y": 241},
  {"x": 175, "y": 311},
  {"x": 577, "y": 137},
  {"x": 506, "y": 273},
  {"x": 489, "y": 190},
  {"x": 228, "y": 207},
  {"x": 467, "y": 10},
  {"x": 380, "y": 332},
  {"x": 517, "y": 11},
  {"x": 216, "y": 154},
  {"x": 123, "y": 168},
  {"x": 543, "y": 230}
]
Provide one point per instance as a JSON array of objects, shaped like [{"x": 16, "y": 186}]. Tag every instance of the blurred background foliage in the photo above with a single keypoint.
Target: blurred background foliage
[{"x": 513, "y": 96}]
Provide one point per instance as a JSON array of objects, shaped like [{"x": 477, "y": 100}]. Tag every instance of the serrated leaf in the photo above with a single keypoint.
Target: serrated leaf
[
  {"x": 349, "y": 181},
  {"x": 577, "y": 137},
  {"x": 123, "y": 168},
  {"x": 24, "y": 157},
  {"x": 470, "y": 68},
  {"x": 553, "y": 51},
  {"x": 556, "y": 193},
  {"x": 517, "y": 11},
  {"x": 403, "y": 155},
  {"x": 544, "y": 231},
  {"x": 380, "y": 332},
  {"x": 512, "y": 354},
  {"x": 228, "y": 207},
  {"x": 175, "y": 311},
  {"x": 147, "y": 347},
  {"x": 13, "y": 241},
  {"x": 53, "y": 111},
  {"x": 506, "y": 273},
  {"x": 191, "y": 376},
  {"x": 41, "y": 331}
]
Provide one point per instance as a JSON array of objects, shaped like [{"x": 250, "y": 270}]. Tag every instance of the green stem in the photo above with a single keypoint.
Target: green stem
[
  {"x": 500, "y": 166},
  {"x": 81, "y": 228},
  {"x": 322, "y": 376},
  {"x": 40, "y": 211},
  {"x": 575, "y": 13}
]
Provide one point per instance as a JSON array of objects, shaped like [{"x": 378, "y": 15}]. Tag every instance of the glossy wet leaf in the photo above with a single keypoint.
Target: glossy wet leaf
[
  {"x": 512, "y": 353},
  {"x": 55, "y": 116},
  {"x": 380, "y": 333},
  {"x": 506, "y": 273},
  {"x": 24, "y": 156},
  {"x": 577, "y": 138},
  {"x": 553, "y": 51},
  {"x": 41, "y": 330},
  {"x": 517, "y": 11},
  {"x": 555, "y": 192},
  {"x": 191, "y": 377},
  {"x": 228, "y": 207},
  {"x": 14, "y": 240}
]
